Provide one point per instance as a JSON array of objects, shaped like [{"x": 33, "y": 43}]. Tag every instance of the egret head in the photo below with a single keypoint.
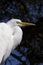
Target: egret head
[{"x": 18, "y": 22}]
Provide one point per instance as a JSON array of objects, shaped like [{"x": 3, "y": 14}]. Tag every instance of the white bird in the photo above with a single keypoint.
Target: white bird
[{"x": 10, "y": 37}]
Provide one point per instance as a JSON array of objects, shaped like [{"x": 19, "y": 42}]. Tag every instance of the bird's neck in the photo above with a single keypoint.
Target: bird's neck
[
  {"x": 17, "y": 36},
  {"x": 16, "y": 30}
]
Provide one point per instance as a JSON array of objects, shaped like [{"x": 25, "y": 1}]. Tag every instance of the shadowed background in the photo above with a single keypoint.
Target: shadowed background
[{"x": 30, "y": 50}]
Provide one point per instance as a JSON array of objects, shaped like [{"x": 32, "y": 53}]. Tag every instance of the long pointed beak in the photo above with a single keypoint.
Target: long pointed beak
[{"x": 26, "y": 23}]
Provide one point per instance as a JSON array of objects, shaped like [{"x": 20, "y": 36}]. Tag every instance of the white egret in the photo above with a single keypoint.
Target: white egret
[{"x": 10, "y": 37}]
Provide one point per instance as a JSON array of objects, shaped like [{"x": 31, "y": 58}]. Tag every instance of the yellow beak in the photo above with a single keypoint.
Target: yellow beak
[{"x": 26, "y": 23}]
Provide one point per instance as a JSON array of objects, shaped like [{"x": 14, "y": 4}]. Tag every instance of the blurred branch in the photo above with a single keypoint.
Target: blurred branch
[{"x": 18, "y": 58}]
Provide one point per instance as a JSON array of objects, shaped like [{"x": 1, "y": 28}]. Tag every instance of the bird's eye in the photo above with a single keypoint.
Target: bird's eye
[{"x": 17, "y": 22}]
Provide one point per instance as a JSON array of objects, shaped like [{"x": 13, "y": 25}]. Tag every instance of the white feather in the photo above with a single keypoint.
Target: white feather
[{"x": 10, "y": 37}]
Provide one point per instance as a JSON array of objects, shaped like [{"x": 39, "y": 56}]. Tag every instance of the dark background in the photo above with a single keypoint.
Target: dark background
[{"x": 30, "y": 50}]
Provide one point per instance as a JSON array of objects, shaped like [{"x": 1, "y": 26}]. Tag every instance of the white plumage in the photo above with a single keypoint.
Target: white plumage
[{"x": 10, "y": 37}]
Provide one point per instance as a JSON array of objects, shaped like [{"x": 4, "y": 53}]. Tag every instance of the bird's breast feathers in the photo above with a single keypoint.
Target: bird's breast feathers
[{"x": 9, "y": 39}]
